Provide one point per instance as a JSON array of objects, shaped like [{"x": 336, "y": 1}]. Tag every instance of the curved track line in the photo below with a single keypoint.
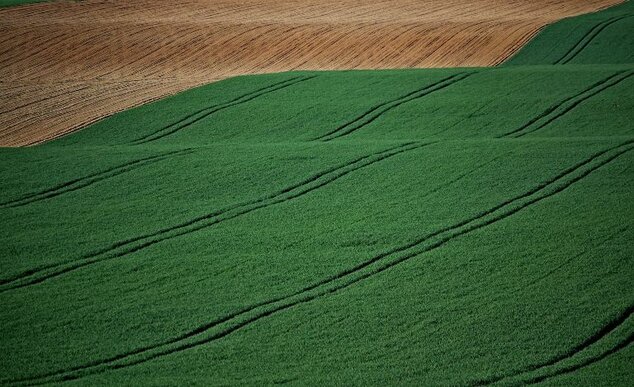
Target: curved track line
[
  {"x": 574, "y": 48},
  {"x": 588, "y": 37},
  {"x": 578, "y": 102},
  {"x": 204, "y": 113},
  {"x": 82, "y": 182},
  {"x": 345, "y": 279},
  {"x": 600, "y": 334},
  {"x": 558, "y": 110},
  {"x": 557, "y": 105},
  {"x": 377, "y": 107},
  {"x": 620, "y": 346},
  {"x": 483, "y": 215},
  {"x": 375, "y": 112},
  {"x": 123, "y": 248}
]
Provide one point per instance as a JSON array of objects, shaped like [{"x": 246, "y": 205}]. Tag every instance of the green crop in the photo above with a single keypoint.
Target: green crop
[{"x": 442, "y": 226}]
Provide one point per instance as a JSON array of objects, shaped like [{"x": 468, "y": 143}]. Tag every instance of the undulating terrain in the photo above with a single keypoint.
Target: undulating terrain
[
  {"x": 66, "y": 64},
  {"x": 447, "y": 226}
]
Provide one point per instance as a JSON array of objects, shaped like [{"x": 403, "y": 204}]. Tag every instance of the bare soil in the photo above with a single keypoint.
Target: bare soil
[{"x": 64, "y": 65}]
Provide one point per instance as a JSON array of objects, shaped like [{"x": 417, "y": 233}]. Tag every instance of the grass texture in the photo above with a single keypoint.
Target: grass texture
[
  {"x": 442, "y": 226},
  {"x": 597, "y": 38},
  {"x": 12, "y": 3}
]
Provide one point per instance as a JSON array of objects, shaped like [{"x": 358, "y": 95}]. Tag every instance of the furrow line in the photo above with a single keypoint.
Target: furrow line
[
  {"x": 148, "y": 55},
  {"x": 52, "y": 96}
]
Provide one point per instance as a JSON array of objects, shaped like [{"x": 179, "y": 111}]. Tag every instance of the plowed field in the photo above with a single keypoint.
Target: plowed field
[{"x": 66, "y": 64}]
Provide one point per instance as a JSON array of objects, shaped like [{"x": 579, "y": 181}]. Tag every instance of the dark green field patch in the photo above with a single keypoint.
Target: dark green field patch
[{"x": 603, "y": 37}]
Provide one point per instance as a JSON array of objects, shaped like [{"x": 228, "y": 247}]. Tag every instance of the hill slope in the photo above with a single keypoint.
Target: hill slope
[
  {"x": 463, "y": 226},
  {"x": 67, "y": 64},
  {"x": 596, "y": 38}
]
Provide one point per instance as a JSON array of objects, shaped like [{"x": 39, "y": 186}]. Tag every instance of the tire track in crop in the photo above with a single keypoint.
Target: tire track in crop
[
  {"x": 551, "y": 109},
  {"x": 596, "y": 337},
  {"x": 620, "y": 346},
  {"x": 224, "y": 326},
  {"x": 85, "y": 181},
  {"x": 206, "y": 112},
  {"x": 129, "y": 246},
  {"x": 558, "y": 110},
  {"x": 508, "y": 203},
  {"x": 588, "y": 38},
  {"x": 378, "y": 110}
]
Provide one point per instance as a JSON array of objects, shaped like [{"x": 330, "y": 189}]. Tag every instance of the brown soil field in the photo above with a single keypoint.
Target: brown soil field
[{"x": 66, "y": 64}]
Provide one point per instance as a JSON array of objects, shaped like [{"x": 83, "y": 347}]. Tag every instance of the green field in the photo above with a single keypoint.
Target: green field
[
  {"x": 11, "y": 3},
  {"x": 430, "y": 227},
  {"x": 596, "y": 38}
]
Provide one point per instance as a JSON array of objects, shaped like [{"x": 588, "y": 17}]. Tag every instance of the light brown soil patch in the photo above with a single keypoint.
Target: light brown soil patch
[{"x": 66, "y": 64}]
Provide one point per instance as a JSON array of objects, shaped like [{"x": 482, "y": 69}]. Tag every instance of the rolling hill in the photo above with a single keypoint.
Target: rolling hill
[
  {"x": 67, "y": 64},
  {"x": 456, "y": 226}
]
